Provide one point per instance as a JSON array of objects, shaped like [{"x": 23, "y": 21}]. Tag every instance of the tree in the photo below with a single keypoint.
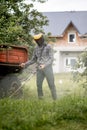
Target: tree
[
  {"x": 18, "y": 21},
  {"x": 82, "y": 62},
  {"x": 81, "y": 77}
]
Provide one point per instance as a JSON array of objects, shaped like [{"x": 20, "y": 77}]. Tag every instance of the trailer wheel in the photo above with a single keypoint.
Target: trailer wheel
[{"x": 10, "y": 84}]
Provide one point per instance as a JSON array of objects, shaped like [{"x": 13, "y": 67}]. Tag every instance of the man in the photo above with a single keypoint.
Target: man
[{"x": 43, "y": 56}]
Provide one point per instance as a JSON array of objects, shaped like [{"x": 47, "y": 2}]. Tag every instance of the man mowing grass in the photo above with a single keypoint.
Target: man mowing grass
[{"x": 43, "y": 56}]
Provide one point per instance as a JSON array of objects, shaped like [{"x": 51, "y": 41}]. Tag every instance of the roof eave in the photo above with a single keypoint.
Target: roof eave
[{"x": 68, "y": 26}]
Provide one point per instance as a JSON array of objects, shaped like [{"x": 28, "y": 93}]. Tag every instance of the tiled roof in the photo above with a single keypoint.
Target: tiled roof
[{"x": 58, "y": 21}]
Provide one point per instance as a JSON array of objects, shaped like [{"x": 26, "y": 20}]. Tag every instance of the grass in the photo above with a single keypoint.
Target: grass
[
  {"x": 64, "y": 86},
  {"x": 64, "y": 114},
  {"x": 68, "y": 112}
]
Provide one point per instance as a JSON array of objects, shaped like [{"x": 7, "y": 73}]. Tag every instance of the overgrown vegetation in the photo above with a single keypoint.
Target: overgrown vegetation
[
  {"x": 81, "y": 77},
  {"x": 64, "y": 114},
  {"x": 68, "y": 112},
  {"x": 18, "y": 21}
]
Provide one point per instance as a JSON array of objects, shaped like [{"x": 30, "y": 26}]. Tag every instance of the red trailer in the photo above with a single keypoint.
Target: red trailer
[{"x": 11, "y": 57}]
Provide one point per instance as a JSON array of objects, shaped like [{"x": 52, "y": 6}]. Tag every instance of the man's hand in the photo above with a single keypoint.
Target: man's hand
[
  {"x": 42, "y": 66},
  {"x": 22, "y": 65}
]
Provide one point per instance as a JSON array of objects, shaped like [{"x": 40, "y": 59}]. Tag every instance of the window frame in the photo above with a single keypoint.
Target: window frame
[
  {"x": 67, "y": 62},
  {"x": 71, "y": 33}
]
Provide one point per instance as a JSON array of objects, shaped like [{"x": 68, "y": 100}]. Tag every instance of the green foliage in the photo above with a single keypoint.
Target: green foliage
[
  {"x": 49, "y": 38},
  {"x": 82, "y": 61},
  {"x": 81, "y": 78},
  {"x": 68, "y": 112},
  {"x": 18, "y": 21},
  {"x": 40, "y": 114}
]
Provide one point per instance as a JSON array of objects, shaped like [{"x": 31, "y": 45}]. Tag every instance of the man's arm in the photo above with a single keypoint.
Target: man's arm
[{"x": 29, "y": 62}]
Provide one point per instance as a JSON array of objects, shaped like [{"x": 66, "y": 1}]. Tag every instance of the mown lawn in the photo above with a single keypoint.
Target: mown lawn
[{"x": 68, "y": 112}]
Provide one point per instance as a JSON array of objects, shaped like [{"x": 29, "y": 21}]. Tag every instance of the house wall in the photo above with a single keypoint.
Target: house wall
[
  {"x": 60, "y": 57},
  {"x": 63, "y": 40},
  {"x": 65, "y": 50}
]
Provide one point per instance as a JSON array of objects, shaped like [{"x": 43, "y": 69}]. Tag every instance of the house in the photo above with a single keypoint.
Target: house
[{"x": 70, "y": 30}]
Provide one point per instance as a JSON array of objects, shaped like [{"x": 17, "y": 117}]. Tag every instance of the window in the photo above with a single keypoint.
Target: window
[
  {"x": 71, "y": 38},
  {"x": 73, "y": 63},
  {"x": 70, "y": 62}
]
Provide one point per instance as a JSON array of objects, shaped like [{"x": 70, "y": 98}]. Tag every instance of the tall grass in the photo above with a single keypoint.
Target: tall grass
[
  {"x": 68, "y": 112},
  {"x": 64, "y": 86}
]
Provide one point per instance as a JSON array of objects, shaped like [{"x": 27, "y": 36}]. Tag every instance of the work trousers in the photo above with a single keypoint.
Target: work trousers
[{"x": 47, "y": 73}]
